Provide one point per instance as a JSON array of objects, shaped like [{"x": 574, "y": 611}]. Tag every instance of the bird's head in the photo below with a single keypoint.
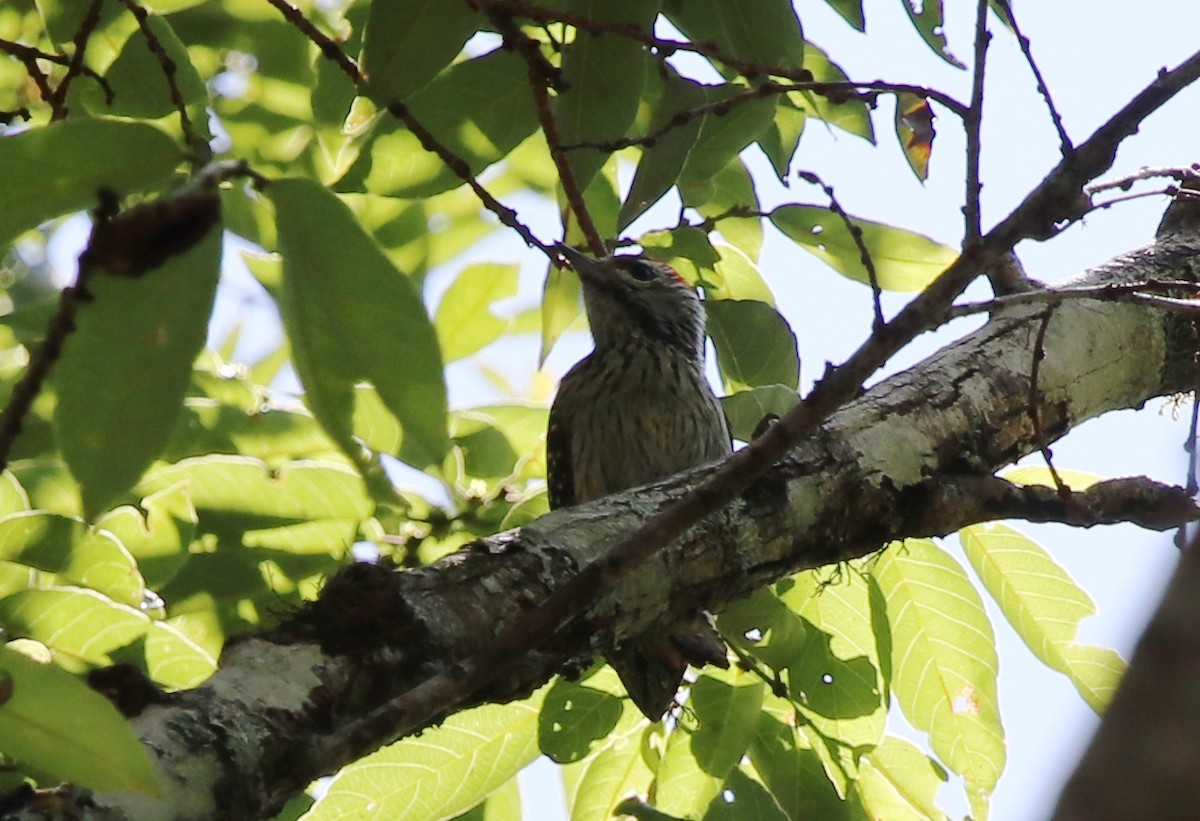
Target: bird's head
[{"x": 631, "y": 299}]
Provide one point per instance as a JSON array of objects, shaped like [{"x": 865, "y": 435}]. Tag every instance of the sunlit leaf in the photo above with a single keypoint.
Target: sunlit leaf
[
  {"x": 75, "y": 623},
  {"x": 898, "y": 781},
  {"x": 464, "y": 320},
  {"x": 1044, "y": 605},
  {"x": 944, "y": 662},
  {"x": 90, "y": 744},
  {"x": 440, "y": 773},
  {"x": 618, "y": 765},
  {"x": 352, "y": 316},
  {"x": 903, "y": 260}
]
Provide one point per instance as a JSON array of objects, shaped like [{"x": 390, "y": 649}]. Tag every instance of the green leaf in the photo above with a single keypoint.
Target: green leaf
[
  {"x": 73, "y": 622},
  {"x": 619, "y": 763},
  {"x": 781, "y": 139},
  {"x": 441, "y": 773},
  {"x": 139, "y": 85},
  {"x": 837, "y": 677},
  {"x": 944, "y": 655},
  {"x": 904, "y": 261},
  {"x": 53, "y": 723},
  {"x": 849, "y": 114},
  {"x": 464, "y": 319},
  {"x": 698, "y": 759},
  {"x": 662, "y": 162},
  {"x": 731, "y": 187},
  {"x": 685, "y": 249},
  {"x": 75, "y": 159},
  {"x": 898, "y": 781},
  {"x": 503, "y": 804},
  {"x": 352, "y": 316},
  {"x": 747, "y": 799},
  {"x": 479, "y": 109},
  {"x": 851, "y": 11},
  {"x": 246, "y": 491},
  {"x": 723, "y": 135},
  {"x": 13, "y": 498},
  {"x": 764, "y": 626},
  {"x": 408, "y": 42},
  {"x": 562, "y": 307},
  {"x": 737, "y": 276},
  {"x": 762, "y": 32},
  {"x": 1044, "y": 605},
  {"x": 754, "y": 344},
  {"x": 65, "y": 546},
  {"x": 123, "y": 373},
  {"x": 575, "y": 718},
  {"x": 174, "y": 660},
  {"x": 602, "y": 79},
  {"x": 159, "y": 538},
  {"x": 926, "y": 16},
  {"x": 792, "y": 771}
]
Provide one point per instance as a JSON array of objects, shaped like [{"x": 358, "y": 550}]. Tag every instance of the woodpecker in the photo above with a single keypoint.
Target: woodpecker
[{"x": 636, "y": 409}]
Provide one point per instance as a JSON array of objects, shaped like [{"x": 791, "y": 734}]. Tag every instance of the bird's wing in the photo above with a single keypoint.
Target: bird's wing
[{"x": 560, "y": 476}]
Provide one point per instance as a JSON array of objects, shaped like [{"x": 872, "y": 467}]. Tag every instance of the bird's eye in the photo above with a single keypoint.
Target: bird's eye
[{"x": 642, "y": 271}]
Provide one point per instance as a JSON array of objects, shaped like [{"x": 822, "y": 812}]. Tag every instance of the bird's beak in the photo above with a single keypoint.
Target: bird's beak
[{"x": 581, "y": 263}]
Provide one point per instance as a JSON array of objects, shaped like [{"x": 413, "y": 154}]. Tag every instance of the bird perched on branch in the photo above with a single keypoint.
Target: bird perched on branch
[{"x": 637, "y": 409}]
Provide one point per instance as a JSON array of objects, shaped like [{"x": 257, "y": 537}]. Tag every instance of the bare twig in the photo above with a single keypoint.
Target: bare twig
[
  {"x": 856, "y": 234},
  {"x": 1165, "y": 295},
  {"x": 1126, "y": 181},
  {"x": 541, "y": 77},
  {"x": 1035, "y": 401},
  {"x": 1043, "y": 89},
  {"x": 330, "y": 49},
  {"x": 58, "y": 100},
  {"x": 973, "y": 126},
  {"x": 199, "y": 146}
]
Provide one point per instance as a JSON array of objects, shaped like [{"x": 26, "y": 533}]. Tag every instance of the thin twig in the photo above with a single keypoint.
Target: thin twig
[
  {"x": 541, "y": 77},
  {"x": 330, "y": 49},
  {"x": 856, "y": 234},
  {"x": 973, "y": 126},
  {"x": 199, "y": 145},
  {"x": 58, "y": 101},
  {"x": 28, "y": 55},
  {"x": 1035, "y": 403},
  {"x": 1126, "y": 181},
  {"x": 1150, "y": 293},
  {"x": 1043, "y": 89}
]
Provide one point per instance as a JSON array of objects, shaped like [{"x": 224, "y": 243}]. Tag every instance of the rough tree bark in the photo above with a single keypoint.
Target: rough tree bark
[{"x": 913, "y": 456}]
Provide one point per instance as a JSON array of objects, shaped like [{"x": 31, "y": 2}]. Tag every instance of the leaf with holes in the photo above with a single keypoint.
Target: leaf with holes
[
  {"x": 698, "y": 759},
  {"x": 903, "y": 260}
]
